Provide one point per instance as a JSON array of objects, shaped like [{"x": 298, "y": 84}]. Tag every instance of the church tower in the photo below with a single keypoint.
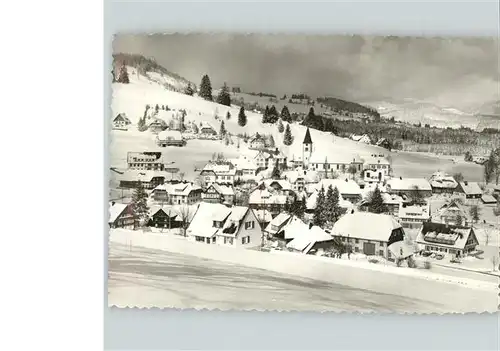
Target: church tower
[{"x": 307, "y": 148}]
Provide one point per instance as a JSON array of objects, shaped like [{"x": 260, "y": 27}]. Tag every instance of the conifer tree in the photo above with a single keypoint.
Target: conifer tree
[
  {"x": 139, "y": 205},
  {"x": 228, "y": 115},
  {"x": 281, "y": 128},
  {"x": 320, "y": 210},
  {"x": 332, "y": 204},
  {"x": 271, "y": 142},
  {"x": 288, "y": 138},
  {"x": 242, "y": 118},
  {"x": 224, "y": 98},
  {"x": 222, "y": 131},
  {"x": 376, "y": 202},
  {"x": 285, "y": 114},
  {"x": 265, "y": 116},
  {"x": 189, "y": 90},
  {"x": 123, "y": 77},
  {"x": 206, "y": 88},
  {"x": 157, "y": 108},
  {"x": 298, "y": 207},
  {"x": 273, "y": 115}
]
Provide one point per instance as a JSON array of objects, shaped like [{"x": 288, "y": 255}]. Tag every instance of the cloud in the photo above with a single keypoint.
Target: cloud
[{"x": 355, "y": 67}]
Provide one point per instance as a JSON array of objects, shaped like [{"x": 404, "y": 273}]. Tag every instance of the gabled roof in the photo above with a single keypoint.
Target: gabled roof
[
  {"x": 180, "y": 189},
  {"x": 452, "y": 208},
  {"x": 233, "y": 222},
  {"x": 293, "y": 228},
  {"x": 488, "y": 199},
  {"x": 115, "y": 210},
  {"x": 307, "y": 137},
  {"x": 415, "y": 211},
  {"x": 471, "y": 188},
  {"x": 355, "y": 225},
  {"x": 304, "y": 240},
  {"x": 222, "y": 189},
  {"x": 206, "y": 214},
  {"x": 405, "y": 184},
  {"x": 345, "y": 186},
  {"x": 444, "y": 235},
  {"x": 123, "y": 117}
]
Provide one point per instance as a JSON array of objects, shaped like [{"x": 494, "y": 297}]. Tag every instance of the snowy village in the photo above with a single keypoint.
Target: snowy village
[{"x": 280, "y": 183}]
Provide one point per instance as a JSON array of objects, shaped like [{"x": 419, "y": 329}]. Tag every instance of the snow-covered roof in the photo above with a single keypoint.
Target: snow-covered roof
[
  {"x": 444, "y": 235},
  {"x": 265, "y": 197},
  {"x": 365, "y": 225},
  {"x": 305, "y": 240},
  {"x": 283, "y": 183},
  {"x": 171, "y": 210},
  {"x": 115, "y": 210},
  {"x": 450, "y": 209},
  {"x": 280, "y": 219},
  {"x": 263, "y": 215},
  {"x": 169, "y": 135},
  {"x": 442, "y": 180},
  {"x": 471, "y": 188},
  {"x": 294, "y": 228},
  {"x": 123, "y": 117},
  {"x": 223, "y": 189},
  {"x": 359, "y": 137},
  {"x": 180, "y": 189},
  {"x": 233, "y": 222},
  {"x": 206, "y": 214},
  {"x": 488, "y": 199},
  {"x": 375, "y": 160},
  {"x": 415, "y": 211},
  {"x": 313, "y": 198},
  {"x": 243, "y": 162},
  {"x": 345, "y": 186},
  {"x": 300, "y": 173},
  {"x": 405, "y": 184},
  {"x": 220, "y": 169},
  {"x": 144, "y": 175}
]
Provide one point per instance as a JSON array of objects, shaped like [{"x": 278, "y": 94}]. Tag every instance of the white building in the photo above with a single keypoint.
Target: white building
[
  {"x": 146, "y": 161},
  {"x": 447, "y": 239},
  {"x": 409, "y": 186},
  {"x": 170, "y": 138},
  {"x": 414, "y": 216},
  {"x": 221, "y": 173},
  {"x": 361, "y": 138},
  {"x": 229, "y": 226},
  {"x": 177, "y": 194},
  {"x": 378, "y": 164}
]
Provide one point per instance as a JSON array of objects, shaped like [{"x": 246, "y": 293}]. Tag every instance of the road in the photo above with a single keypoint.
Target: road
[{"x": 152, "y": 278}]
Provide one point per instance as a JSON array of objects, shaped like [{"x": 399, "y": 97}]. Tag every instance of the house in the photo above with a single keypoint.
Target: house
[
  {"x": 229, "y": 226},
  {"x": 470, "y": 190},
  {"x": 120, "y": 215},
  {"x": 221, "y": 173},
  {"x": 383, "y": 142},
  {"x": 446, "y": 238},
  {"x": 164, "y": 217},
  {"x": 216, "y": 193},
  {"x": 131, "y": 179},
  {"x": 452, "y": 213},
  {"x": 371, "y": 176},
  {"x": 325, "y": 165},
  {"x": 245, "y": 168},
  {"x": 411, "y": 187},
  {"x": 488, "y": 199},
  {"x": 300, "y": 178},
  {"x": 311, "y": 241},
  {"x": 266, "y": 200},
  {"x": 146, "y": 160},
  {"x": 207, "y": 129},
  {"x": 413, "y": 216},
  {"x": 369, "y": 233},
  {"x": 268, "y": 159},
  {"x": 121, "y": 121},
  {"x": 361, "y": 138},
  {"x": 391, "y": 202},
  {"x": 170, "y": 138},
  {"x": 442, "y": 183},
  {"x": 348, "y": 188},
  {"x": 288, "y": 231},
  {"x": 257, "y": 142},
  {"x": 277, "y": 223},
  {"x": 177, "y": 193},
  {"x": 280, "y": 186},
  {"x": 156, "y": 125},
  {"x": 377, "y": 163}
]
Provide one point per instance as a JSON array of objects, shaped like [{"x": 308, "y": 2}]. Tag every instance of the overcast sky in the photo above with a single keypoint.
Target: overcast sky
[{"x": 456, "y": 72}]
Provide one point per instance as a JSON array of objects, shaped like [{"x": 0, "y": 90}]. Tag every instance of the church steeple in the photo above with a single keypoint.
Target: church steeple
[
  {"x": 307, "y": 138},
  {"x": 307, "y": 146}
]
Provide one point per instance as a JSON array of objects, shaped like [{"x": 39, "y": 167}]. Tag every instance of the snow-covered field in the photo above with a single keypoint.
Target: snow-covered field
[
  {"x": 132, "y": 99},
  {"x": 441, "y": 292}
]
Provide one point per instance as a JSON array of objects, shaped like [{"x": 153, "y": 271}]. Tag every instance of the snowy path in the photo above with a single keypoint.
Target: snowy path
[{"x": 153, "y": 278}]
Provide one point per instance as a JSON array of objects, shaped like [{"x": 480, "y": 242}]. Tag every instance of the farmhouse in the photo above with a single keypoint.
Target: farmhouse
[
  {"x": 145, "y": 160},
  {"x": 120, "y": 215},
  {"x": 257, "y": 142},
  {"x": 413, "y": 216},
  {"x": 131, "y": 179},
  {"x": 245, "y": 168},
  {"x": 411, "y": 187},
  {"x": 121, "y": 121},
  {"x": 217, "y": 224},
  {"x": 178, "y": 193},
  {"x": 280, "y": 186},
  {"x": 170, "y": 138},
  {"x": 452, "y": 213},
  {"x": 442, "y": 183},
  {"x": 207, "y": 129},
  {"x": 267, "y": 159},
  {"x": 369, "y": 233},
  {"x": 361, "y": 138},
  {"x": 164, "y": 217},
  {"x": 221, "y": 173},
  {"x": 156, "y": 125},
  {"x": 470, "y": 190},
  {"x": 450, "y": 239},
  {"x": 216, "y": 193},
  {"x": 265, "y": 200},
  {"x": 311, "y": 241}
]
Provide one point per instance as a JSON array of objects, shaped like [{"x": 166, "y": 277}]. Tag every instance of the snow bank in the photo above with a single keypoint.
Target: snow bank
[{"x": 475, "y": 295}]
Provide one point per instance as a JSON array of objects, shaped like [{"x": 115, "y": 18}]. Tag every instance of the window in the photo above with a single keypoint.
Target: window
[
  {"x": 356, "y": 249},
  {"x": 381, "y": 243},
  {"x": 356, "y": 241},
  {"x": 243, "y": 240},
  {"x": 213, "y": 240},
  {"x": 381, "y": 252}
]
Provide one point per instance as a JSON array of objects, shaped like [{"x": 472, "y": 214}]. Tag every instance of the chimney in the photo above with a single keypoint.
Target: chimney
[
  {"x": 400, "y": 178},
  {"x": 112, "y": 203}
]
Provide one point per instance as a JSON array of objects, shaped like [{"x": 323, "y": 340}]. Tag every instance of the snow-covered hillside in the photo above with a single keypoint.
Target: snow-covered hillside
[{"x": 132, "y": 99}]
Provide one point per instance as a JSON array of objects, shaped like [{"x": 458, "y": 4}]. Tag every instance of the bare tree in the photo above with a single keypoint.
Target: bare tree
[
  {"x": 487, "y": 236},
  {"x": 181, "y": 176},
  {"x": 184, "y": 215}
]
